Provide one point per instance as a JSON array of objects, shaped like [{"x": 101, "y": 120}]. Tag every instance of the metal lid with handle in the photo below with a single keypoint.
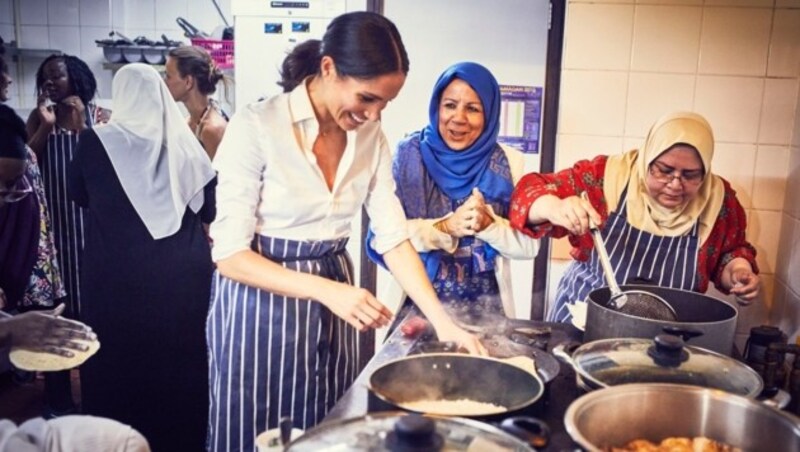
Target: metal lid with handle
[
  {"x": 666, "y": 359},
  {"x": 404, "y": 432}
]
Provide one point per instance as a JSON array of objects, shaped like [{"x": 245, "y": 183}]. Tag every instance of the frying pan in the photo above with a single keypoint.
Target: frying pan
[{"x": 456, "y": 376}]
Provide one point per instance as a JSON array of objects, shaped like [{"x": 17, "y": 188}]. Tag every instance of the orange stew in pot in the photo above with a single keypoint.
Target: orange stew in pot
[{"x": 675, "y": 444}]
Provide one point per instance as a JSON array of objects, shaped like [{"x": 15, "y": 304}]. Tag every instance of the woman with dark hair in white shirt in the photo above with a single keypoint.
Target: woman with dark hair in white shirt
[{"x": 294, "y": 170}]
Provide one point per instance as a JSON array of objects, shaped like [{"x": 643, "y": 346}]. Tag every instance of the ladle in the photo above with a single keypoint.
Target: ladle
[{"x": 634, "y": 302}]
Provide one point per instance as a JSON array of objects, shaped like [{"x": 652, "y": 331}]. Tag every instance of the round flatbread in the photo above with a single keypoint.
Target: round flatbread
[{"x": 47, "y": 362}]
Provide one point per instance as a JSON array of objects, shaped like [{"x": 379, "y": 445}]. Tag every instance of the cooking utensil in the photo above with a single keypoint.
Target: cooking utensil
[
  {"x": 611, "y": 362},
  {"x": 612, "y": 417},
  {"x": 456, "y": 376},
  {"x": 638, "y": 303},
  {"x": 401, "y": 431},
  {"x": 189, "y": 30},
  {"x": 715, "y": 318},
  {"x": 126, "y": 40}
]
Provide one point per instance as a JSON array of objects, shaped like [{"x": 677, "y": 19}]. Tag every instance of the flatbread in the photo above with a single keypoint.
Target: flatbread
[{"x": 47, "y": 362}]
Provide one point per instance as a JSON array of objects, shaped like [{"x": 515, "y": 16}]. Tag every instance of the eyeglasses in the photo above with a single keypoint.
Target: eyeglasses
[
  {"x": 17, "y": 192},
  {"x": 666, "y": 174}
]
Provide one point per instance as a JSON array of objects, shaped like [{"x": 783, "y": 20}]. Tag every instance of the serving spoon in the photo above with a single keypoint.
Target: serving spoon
[{"x": 634, "y": 302}]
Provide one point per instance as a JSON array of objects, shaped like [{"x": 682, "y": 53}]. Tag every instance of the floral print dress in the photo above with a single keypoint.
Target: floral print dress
[{"x": 45, "y": 285}]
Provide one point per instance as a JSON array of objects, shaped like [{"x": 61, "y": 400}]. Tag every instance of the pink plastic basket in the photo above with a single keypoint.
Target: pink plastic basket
[{"x": 221, "y": 51}]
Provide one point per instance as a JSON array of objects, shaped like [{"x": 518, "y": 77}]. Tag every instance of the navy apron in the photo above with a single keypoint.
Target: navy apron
[
  {"x": 272, "y": 356},
  {"x": 634, "y": 254},
  {"x": 66, "y": 218}
]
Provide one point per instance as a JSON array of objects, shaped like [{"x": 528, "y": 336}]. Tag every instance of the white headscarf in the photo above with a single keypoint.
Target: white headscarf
[{"x": 160, "y": 164}]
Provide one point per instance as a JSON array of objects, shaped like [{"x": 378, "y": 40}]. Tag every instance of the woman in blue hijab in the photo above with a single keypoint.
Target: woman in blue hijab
[{"x": 455, "y": 181}]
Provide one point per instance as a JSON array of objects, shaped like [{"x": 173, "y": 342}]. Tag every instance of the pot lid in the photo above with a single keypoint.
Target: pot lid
[
  {"x": 400, "y": 431},
  {"x": 666, "y": 359}
]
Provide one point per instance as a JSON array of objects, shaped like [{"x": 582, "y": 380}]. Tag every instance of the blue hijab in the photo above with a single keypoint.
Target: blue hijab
[{"x": 457, "y": 172}]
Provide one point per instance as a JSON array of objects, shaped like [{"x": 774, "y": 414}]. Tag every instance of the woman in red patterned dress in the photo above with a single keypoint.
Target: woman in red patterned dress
[{"x": 664, "y": 216}]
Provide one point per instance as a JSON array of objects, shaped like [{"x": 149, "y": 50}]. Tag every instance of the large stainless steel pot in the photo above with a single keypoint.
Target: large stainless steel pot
[
  {"x": 612, "y": 417},
  {"x": 456, "y": 376},
  {"x": 715, "y": 318}
]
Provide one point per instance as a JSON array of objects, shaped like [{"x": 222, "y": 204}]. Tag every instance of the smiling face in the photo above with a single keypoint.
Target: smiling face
[
  {"x": 461, "y": 116},
  {"x": 351, "y": 101},
  {"x": 178, "y": 86},
  {"x": 55, "y": 80},
  {"x": 682, "y": 159}
]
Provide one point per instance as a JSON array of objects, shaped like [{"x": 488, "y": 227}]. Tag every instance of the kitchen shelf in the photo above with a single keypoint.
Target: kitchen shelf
[
  {"x": 21, "y": 52},
  {"x": 114, "y": 67}
]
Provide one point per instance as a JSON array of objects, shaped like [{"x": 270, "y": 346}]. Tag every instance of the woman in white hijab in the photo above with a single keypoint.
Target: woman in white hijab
[
  {"x": 148, "y": 188},
  {"x": 666, "y": 218}
]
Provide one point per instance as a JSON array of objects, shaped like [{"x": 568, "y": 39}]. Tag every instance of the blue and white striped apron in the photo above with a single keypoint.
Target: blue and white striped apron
[
  {"x": 66, "y": 218},
  {"x": 272, "y": 356},
  {"x": 664, "y": 261}
]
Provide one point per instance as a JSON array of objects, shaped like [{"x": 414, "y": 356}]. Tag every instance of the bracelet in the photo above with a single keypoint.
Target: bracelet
[{"x": 442, "y": 226}]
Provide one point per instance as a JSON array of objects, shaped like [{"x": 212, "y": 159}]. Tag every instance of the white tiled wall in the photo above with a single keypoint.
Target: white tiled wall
[
  {"x": 72, "y": 26},
  {"x": 786, "y": 312},
  {"x": 737, "y": 62}
]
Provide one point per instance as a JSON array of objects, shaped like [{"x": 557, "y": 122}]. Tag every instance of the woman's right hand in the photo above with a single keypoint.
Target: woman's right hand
[
  {"x": 448, "y": 331},
  {"x": 356, "y": 306},
  {"x": 45, "y": 331},
  {"x": 572, "y": 213},
  {"x": 47, "y": 114},
  {"x": 467, "y": 219}
]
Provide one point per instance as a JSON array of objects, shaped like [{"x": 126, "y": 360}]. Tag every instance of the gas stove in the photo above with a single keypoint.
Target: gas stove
[{"x": 536, "y": 339}]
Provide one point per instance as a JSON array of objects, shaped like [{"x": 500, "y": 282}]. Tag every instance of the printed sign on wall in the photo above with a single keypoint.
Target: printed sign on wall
[{"x": 520, "y": 117}]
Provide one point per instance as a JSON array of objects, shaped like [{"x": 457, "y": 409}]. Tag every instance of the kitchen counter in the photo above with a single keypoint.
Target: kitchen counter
[{"x": 559, "y": 392}]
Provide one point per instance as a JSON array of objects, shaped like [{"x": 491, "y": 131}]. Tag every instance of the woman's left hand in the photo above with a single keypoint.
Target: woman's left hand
[
  {"x": 743, "y": 282},
  {"x": 483, "y": 212},
  {"x": 74, "y": 112}
]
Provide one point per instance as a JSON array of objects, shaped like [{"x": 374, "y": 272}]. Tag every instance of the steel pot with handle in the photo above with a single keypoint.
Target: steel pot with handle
[
  {"x": 714, "y": 318},
  {"x": 614, "y": 416}
]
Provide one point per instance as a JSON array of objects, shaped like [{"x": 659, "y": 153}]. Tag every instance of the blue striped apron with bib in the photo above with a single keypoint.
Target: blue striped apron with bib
[
  {"x": 66, "y": 218},
  {"x": 634, "y": 254},
  {"x": 272, "y": 356}
]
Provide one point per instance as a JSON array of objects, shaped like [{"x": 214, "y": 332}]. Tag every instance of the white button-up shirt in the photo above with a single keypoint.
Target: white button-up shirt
[{"x": 269, "y": 182}]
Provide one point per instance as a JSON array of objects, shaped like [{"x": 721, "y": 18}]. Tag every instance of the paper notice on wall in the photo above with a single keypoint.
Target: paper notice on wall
[{"x": 520, "y": 117}]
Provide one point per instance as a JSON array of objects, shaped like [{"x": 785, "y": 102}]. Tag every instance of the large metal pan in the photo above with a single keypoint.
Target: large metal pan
[
  {"x": 456, "y": 376},
  {"x": 714, "y": 318}
]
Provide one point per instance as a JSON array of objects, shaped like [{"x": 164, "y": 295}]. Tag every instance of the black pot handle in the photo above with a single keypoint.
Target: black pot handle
[
  {"x": 686, "y": 333},
  {"x": 667, "y": 351},
  {"x": 529, "y": 429}
]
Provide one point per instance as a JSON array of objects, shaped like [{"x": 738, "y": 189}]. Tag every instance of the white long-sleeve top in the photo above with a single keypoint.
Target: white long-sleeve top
[{"x": 269, "y": 182}]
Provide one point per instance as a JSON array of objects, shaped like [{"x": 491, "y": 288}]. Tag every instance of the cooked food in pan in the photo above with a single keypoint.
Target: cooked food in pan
[
  {"x": 676, "y": 444},
  {"x": 460, "y": 407}
]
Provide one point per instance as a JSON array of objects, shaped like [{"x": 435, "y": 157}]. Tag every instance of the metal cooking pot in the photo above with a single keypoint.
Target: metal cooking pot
[
  {"x": 612, "y": 417},
  {"x": 456, "y": 376},
  {"x": 401, "y": 431},
  {"x": 715, "y": 318},
  {"x": 612, "y": 362}
]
